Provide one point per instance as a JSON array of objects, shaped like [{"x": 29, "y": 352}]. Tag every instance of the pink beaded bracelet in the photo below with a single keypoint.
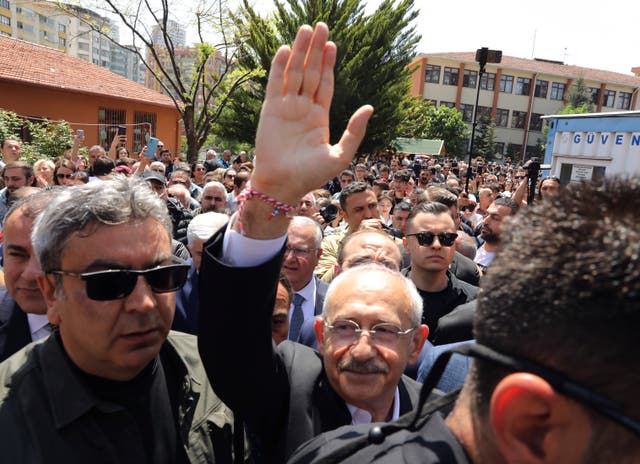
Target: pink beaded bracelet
[{"x": 279, "y": 207}]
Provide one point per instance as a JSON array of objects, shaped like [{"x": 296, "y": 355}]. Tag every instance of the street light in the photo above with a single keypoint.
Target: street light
[{"x": 483, "y": 56}]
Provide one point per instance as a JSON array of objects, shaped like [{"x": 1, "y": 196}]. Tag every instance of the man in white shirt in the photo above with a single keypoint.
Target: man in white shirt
[
  {"x": 491, "y": 230},
  {"x": 23, "y": 312},
  {"x": 300, "y": 259}
]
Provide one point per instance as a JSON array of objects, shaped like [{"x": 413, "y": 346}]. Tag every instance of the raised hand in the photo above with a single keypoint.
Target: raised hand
[{"x": 293, "y": 154}]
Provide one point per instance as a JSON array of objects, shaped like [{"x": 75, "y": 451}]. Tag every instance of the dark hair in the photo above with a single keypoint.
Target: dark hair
[
  {"x": 27, "y": 169},
  {"x": 441, "y": 195},
  {"x": 386, "y": 194},
  {"x": 576, "y": 305},
  {"x": 382, "y": 184},
  {"x": 347, "y": 172},
  {"x": 427, "y": 207},
  {"x": 102, "y": 166},
  {"x": 403, "y": 206},
  {"x": 63, "y": 163},
  {"x": 508, "y": 202},
  {"x": 353, "y": 187},
  {"x": 287, "y": 286}
]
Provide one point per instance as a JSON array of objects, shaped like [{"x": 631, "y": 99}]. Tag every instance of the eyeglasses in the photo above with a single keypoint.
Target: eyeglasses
[
  {"x": 59, "y": 175},
  {"x": 558, "y": 380},
  {"x": 345, "y": 332},
  {"x": 113, "y": 284},
  {"x": 200, "y": 169},
  {"x": 446, "y": 239},
  {"x": 298, "y": 252},
  {"x": 519, "y": 177}
]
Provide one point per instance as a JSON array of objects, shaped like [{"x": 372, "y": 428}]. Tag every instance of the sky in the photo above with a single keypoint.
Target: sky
[{"x": 594, "y": 34}]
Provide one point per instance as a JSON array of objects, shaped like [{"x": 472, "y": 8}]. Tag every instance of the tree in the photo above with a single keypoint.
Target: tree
[
  {"x": 199, "y": 92},
  {"x": 45, "y": 139},
  {"x": 446, "y": 124},
  {"x": 485, "y": 141},
  {"x": 416, "y": 121},
  {"x": 374, "y": 52},
  {"x": 580, "y": 97}
]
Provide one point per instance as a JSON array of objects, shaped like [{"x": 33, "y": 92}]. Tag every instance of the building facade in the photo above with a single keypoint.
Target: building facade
[
  {"x": 46, "y": 23},
  {"x": 516, "y": 93}
]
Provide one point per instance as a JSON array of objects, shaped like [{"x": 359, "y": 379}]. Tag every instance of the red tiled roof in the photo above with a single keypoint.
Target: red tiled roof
[
  {"x": 545, "y": 67},
  {"x": 34, "y": 64}
]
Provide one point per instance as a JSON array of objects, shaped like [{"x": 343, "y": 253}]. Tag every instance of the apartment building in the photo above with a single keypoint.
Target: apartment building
[
  {"x": 45, "y": 23},
  {"x": 516, "y": 93}
]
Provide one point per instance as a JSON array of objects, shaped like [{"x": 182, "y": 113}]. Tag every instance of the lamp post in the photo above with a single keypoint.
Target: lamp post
[{"x": 483, "y": 56}]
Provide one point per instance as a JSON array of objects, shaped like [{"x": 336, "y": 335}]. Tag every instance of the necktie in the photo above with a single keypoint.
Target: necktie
[{"x": 296, "y": 318}]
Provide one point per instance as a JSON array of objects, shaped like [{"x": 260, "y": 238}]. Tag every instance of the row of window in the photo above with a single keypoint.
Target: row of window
[
  {"x": 450, "y": 76},
  {"x": 518, "y": 118},
  {"x": 109, "y": 119},
  {"x": 5, "y": 21},
  {"x": 5, "y": 4}
]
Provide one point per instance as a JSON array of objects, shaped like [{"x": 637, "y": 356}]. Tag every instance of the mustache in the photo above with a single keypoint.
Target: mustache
[{"x": 368, "y": 367}]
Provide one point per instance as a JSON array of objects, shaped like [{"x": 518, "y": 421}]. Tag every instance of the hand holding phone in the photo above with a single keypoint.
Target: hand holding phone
[{"x": 152, "y": 146}]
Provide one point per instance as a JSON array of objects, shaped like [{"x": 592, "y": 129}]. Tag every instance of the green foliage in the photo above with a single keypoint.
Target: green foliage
[
  {"x": 485, "y": 141},
  {"x": 374, "y": 52},
  {"x": 446, "y": 124},
  {"x": 416, "y": 117},
  {"x": 46, "y": 139},
  {"x": 579, "y": 98}
]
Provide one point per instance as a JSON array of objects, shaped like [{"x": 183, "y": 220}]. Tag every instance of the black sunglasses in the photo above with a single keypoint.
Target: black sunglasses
[
  {"x": 64, "y": 176},
  {"x": 446, "y": 239},
  {"x": 113, "y": 284}
]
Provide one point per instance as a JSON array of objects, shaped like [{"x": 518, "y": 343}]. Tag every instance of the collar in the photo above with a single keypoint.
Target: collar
[
  {"x": 309, "y": 290},
  {"x": 37, "y": 322},
  {"x": 360, "y": 416}
]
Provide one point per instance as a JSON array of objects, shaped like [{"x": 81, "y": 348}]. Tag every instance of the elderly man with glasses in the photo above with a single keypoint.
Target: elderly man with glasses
[
  {"x": 111, "y": 384},
  {"x": 370, "y": 328},
  {"x": 555, "y": 370}
]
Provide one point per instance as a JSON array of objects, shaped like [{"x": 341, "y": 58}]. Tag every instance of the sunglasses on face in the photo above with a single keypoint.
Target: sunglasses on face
[
  {"x": 446, "y": 239},
  {"x": 64, "y": 176},
  {"x": 113, "y": 284}
]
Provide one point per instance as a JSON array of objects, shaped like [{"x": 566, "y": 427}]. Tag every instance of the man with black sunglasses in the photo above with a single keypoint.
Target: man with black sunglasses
[
  {"x": 555, "y": 371},
  {"x": 111, "y": 384},
  {"x": 430, "y": 241}
]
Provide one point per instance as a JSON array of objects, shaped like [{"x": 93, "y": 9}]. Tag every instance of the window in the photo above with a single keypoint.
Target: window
[
  {"x": 5, "y": 4},
  {"x": 499, "y": 146},
  {"x": 518, "y": 119},
  {"x": 557, "y": 91},
  {"x": 450, "y": 76},
  {"x": 108, "y": 121},
  {"x": 62, "y": 28},
  {"x": 467, "y": 112},
  {"x": 62, "y": 41},
  {"x": 506, "y": 83},
  {"x": 523, "y": 86},
  {"x": 145, "y": 124},
  {"x": 624, "y": 101},
  {"x": 595, "y": 94},
  {"x": 502, "y": 116},
  {"x": 433, "y": 74},
  {"x": 488, "y": 81},
  {"x": 449, "y": 104},
  {"x": 483, "y": 111},
  {"x": 4, "y": 20},
  {"x": 609, "y": 98},
  {"x": 536, "y": 122},
  {"x": 542, "y": 88},
  {"x": 470, "y": 78}
]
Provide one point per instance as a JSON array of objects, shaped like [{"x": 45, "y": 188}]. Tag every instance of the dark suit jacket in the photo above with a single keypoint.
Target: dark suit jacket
[
  {"x": 282, "y": 393},
  {"x": 14, "y": 326},
  {"x": 307, "y": 335}
]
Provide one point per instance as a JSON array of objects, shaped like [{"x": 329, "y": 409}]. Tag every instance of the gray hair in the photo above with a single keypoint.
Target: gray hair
[
  {"x": 113, "y": 202},
  {"x": 204, "y": 225},
  {"x": 306, "y": 221},
  {"x": 410, "y": 289},
  {"x": 214, "y": 184}
]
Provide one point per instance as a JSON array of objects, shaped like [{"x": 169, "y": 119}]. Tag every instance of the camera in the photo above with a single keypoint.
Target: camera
[{"x": 329, "y": 213}]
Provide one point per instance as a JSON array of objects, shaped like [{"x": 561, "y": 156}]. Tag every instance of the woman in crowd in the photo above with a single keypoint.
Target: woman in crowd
[
  {"x": 44, "y": 170},
  {"x": 64, "y": 172},
  {"x": 385, "y": 206},
  {"x": 197, "y": 172}
]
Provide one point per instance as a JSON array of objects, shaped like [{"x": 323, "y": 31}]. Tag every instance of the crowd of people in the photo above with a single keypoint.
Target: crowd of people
[{"x": 313, "y": 305}]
